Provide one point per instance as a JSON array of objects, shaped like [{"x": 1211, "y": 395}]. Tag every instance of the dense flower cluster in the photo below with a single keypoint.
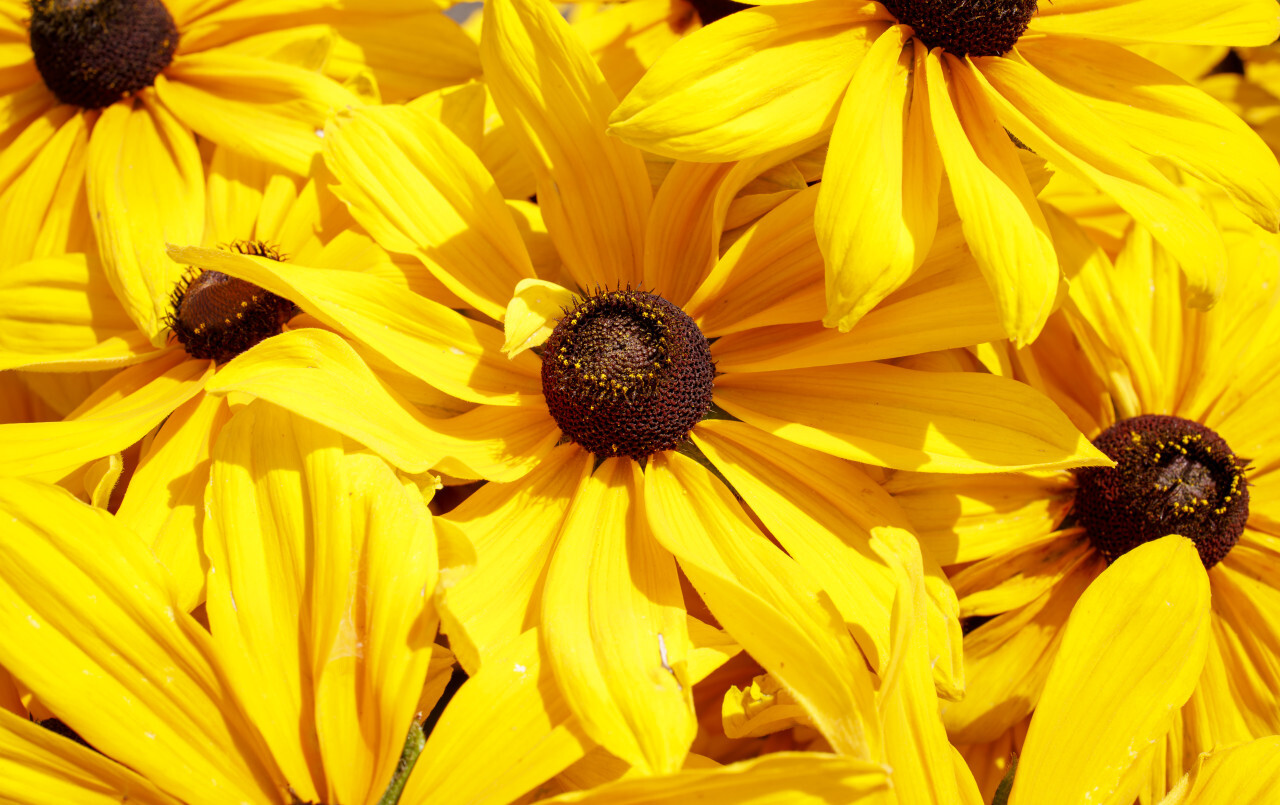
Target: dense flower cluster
[{"x": 798, "y": 401}]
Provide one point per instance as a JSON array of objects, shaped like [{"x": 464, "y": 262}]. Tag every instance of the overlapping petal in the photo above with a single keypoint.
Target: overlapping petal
[
  {"x": 809, "y": 51},
  {"x": 220, "y": 95},
  {"x": 131, "y": 674},
  {"x": 60, "y": 312},
  {"x": 338, "y": 564},
  {"x": 770, "y": 604},
  {"x": 613, "y": 623},
  {"x": 1145, "y": 620},
  {"x": 118, "y": 414},
  {"x": 878, "y": 207},
  {"x": 593, "y": 189},
  {"x": 456, "y": 355},
  {"x": 419, "y": 190},
  {"x": 1002, "y": 221},
  {"x": 146, "y": 185},
  {"x": 910, "y": 419}
]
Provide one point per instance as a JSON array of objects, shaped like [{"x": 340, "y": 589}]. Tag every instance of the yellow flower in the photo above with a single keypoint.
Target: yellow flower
[
  {"x": 59, "y": 314},
  {"x": 321, "y": 624},
  {"x": 1131, "y": 654},
  {"x": 102, "y": 104},
  {"x": 909, "y": 88},
  {"x": 1181, "y": 399},
  {"x": 317, "y": 657},
  {"x": 584, "y": 541}
]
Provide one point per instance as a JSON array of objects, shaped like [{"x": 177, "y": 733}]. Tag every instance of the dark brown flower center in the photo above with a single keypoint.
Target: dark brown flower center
[
  {"x": 1172, "y": 476},
  {"x": 966, "y": 27},
  {"x": 92, "y": 53},
  {"x": 627, "y": 373},
  {"x": 217, "y": 317}
]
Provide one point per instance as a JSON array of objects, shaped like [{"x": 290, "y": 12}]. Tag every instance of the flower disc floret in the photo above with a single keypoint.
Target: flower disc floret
[
  {"x": 92, "y": 53},
  {"x": 966, "y": 27},
  {"x": 627, "y": 373},
  {"x": 1172, "y": 476},
  {"x": 216, "y": 317}
]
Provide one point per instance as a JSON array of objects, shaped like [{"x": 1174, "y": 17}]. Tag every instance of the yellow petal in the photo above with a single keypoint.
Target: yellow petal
[
  {"x": 821, "y": 510},
  {"x": 59, "y": 312},
  {"x": 392, "y": 47},
  {"x": 1002, "y": 221},
  {"x": 43, "y": 211},
  {"x": 418, "y": 190},
  {"x": 613, "y": 624},
  {"x": 494, "y": 442},
  {"x": 878, "y": 207},
  {"x": 257, "y": 538},
  {"x": 221, "y": 96},
  {"x": 916, "y": 745},
  {"x": 905, "y": 323},
  {"x": 456, "y": 355},
  {"x": 965, "y": 519},
  {"x": 909, "y": 419},
  {"x": 781, "y": 778},
  {"x": 329, "y": 597},
  {"x": 164, "y": 501},
  {"x": 1006, "y": 660},
  {"x": 506, "y": 731},
  {"x": 315, "y": 374},
  {"x": 762, "y": 708},
  {"x": 146, "y": 189},
  {"x": 1244, "y": 774},
  {"x": 1219, "y": 22},
  {"x": 593, "y": 189},
  {"x": 29, "y": 114},
  {"x": 770, "y": 604},
  {"x": 689, "y": 215},
  {"x": 38, "y": 765},
  {"x": 114, "y": 417},
  {"x": 88, "y": 625},
  {"x": 514, "y": 528},
  {"x": 1131, "y": 654},
  {"x": 1170, "y": 120},
  {"x": 533, "y": 313},
  {"x": 1058, "y": 126},
  {"x": 697, "y": 102},
  {"x": 772, "y": 274}
]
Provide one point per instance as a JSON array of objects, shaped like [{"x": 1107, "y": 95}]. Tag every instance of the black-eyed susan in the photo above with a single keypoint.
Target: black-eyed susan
[
  {"x": 317, "y": 659},
  {"x": 103, "y": 102},
  {"x": 584, "y": 527},
  {"x": 1180, "y": 399},
  {"x": 1132, "y": 652},
  {"x": 59, "y": 315},
  {"x": 910, "y": 89},
  {"x": 304, "y": 684}
]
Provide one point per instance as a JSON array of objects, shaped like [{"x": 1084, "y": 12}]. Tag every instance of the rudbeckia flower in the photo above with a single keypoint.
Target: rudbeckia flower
[
  {"x": 1180, "y": 399},
  {"x": 1131, "y": 655},
  {"x": 316, "y": 661},
  {"x": 102, "y": 102},
  {"x": 911, "y": 89},
  {"x": 59, "y": 315},
  {"x": 584, "y": 398}
]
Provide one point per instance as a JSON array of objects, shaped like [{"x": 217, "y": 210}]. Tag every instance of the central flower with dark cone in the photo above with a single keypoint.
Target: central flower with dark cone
[
  {"x": 966, "y": 27},
  {"x": 1172, "y": 476},
  {"x": 627, "y": 373},
  {"x": 216, "y": 316},
  {"x": 92, "y": 53}
]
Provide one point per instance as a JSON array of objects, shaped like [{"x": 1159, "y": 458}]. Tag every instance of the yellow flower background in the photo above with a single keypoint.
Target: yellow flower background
[{"x": 801, "y": 401}]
